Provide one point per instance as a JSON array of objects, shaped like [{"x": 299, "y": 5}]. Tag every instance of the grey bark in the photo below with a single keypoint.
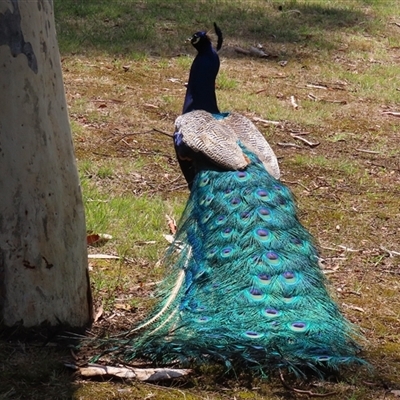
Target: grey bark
[{"x": 43, "y": 256}]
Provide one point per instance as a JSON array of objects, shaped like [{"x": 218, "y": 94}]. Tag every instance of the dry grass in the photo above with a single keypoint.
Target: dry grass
[{"x": 347, "y": 187}]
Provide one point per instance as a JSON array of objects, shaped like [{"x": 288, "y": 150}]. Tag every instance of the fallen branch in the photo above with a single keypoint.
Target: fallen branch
[
  {"x": 258, "y": 52},
  {"x": 145, "y": 374},
  {"x": 252, "y": 52},
  {"x": 242, "y": 51}
]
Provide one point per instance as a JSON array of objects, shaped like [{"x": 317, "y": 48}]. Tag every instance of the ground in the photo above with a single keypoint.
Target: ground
[{"x": 328, "y": 92}]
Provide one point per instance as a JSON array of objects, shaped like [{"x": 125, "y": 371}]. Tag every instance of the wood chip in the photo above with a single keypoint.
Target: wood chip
[
  {"x": 293, "y": 102},
  {"x": 171, "y": 224}
]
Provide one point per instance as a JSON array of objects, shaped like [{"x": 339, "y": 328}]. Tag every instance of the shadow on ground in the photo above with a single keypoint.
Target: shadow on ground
[{"x": 159, "y": 28}]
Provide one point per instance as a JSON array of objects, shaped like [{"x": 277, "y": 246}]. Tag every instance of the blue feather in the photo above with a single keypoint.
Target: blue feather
[{"x": 253, "y": 293}]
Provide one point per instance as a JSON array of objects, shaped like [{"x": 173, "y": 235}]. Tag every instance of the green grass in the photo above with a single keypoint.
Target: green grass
[{"x": 125, "y": 63}]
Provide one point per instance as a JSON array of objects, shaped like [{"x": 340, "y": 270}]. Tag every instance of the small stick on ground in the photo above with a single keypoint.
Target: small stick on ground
[
  {"x": 301, "y": 391},
  {"x": 304, "y": 140},
  {"x": 163, "y": 132},
  {"x": 289, "y": 145},
  {"x": 266, "y": 121},
  {"x": 368, "y": 151}
]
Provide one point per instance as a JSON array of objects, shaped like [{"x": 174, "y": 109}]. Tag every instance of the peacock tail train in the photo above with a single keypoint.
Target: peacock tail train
[{"x": 244, "y": 286}]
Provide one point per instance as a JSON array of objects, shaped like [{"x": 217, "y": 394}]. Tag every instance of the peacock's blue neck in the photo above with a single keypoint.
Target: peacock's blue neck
[
  {"x": 200, "y": 93},
  {"x": 221, "y": 115}
]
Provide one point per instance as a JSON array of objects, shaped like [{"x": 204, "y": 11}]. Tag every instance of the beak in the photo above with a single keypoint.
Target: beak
[{"x": 188, "y": 40}]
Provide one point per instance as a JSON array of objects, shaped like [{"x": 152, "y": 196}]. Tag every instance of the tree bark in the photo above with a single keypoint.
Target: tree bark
[{"x": 43, "y": 255}]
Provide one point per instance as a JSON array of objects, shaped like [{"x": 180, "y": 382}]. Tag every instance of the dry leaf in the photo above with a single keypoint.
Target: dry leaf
[
  {"x": 97, "y": 239},
  {"x": 98, "y": 314},
  {"x": 122, "y": 306}
]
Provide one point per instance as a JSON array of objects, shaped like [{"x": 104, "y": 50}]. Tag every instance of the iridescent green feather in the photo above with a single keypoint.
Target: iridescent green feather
[{"x": 244, "y": 286}]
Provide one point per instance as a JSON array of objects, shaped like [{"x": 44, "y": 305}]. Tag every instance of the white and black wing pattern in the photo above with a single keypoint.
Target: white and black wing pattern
[
  {"x": 253, "y": 139},
  {"x": 201, "y": 132}
]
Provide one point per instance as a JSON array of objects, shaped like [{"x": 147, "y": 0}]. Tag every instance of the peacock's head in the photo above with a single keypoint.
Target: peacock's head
[{"x": 200, "y": 40}]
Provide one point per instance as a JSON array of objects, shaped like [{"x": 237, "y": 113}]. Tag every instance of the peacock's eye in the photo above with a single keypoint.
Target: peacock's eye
[{"x": 195, "y": 39}]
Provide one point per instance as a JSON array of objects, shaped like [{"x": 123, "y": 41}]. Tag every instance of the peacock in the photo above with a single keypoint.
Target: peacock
[{"x": 243, "y": 287}]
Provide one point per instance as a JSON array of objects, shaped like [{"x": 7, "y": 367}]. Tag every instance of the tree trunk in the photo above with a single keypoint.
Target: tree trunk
[{"x": 43, "y": 256}]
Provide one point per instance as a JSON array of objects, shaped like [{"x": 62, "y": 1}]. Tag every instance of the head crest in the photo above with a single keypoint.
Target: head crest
[{"x": 197, "y": 37}]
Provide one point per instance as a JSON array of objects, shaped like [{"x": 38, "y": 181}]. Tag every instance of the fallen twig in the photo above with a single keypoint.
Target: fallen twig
[
  {"x": 296, "y": 183},
  {"x": 348, "y": 249},
  {"x": 103, "y": 256},
  {"x": 307, "y": 142},
  {"x": 391, "y": 253},
  {"x": 310, "y": 85},
  {"x": 163, "y": 132},
  {"x": 394, "y": 113},
  {"x": 353, "y": 307},
  {"x": 312, "y": 97},
  {"x": 297, "y": 132},
  {"x": 368, "y": 151},
  {"x": 333, "y": 101},
  {"x": 266, "y": 121},
  {"x": 289, "y": 145},
  {"x": 307, "y": 392},
  {"x": 107, "y": 101}
]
